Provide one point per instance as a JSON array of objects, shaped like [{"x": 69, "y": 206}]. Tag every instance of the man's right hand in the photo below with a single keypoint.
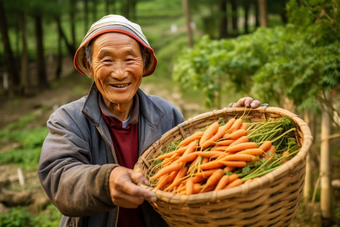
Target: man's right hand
[{"x": 124, "y": 190}]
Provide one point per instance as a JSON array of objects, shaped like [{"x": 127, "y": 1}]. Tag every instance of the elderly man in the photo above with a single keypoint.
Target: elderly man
[{"x": 93, "y": 143}]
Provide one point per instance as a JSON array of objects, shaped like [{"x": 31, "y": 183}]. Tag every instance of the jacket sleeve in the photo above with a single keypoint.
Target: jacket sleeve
[{"x": 74, "y": 185}]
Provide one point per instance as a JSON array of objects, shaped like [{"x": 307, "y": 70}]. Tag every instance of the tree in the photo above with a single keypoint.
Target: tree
[
  {"x": 263, "y": 13},
  {"x": 10, "y": 63}
]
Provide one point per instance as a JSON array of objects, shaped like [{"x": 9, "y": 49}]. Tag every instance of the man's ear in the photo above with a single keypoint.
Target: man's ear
[
  {"x": 147, "y": 58},
  {"x": 88, "y": 67}
]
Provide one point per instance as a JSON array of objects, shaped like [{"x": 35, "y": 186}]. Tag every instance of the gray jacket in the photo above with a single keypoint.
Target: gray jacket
[{"x": 78, "y": 155}]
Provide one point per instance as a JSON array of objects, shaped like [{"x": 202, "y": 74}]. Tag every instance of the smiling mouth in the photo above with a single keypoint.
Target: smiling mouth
[{"x": 120, "y": 85}]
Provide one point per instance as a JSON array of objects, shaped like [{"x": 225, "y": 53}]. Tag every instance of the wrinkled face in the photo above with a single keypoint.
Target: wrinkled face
[{"x": 117, "y": 67}]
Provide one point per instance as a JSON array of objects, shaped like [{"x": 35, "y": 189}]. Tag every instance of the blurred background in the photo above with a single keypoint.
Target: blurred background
[{"x": 210, "y": 53}]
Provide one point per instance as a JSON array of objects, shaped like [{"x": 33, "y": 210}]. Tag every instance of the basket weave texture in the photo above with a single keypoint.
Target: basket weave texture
[{"x": 272, "y": 200}]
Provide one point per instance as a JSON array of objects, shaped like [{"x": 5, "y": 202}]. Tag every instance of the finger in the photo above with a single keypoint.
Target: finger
[
  {"x": 138, "y": 178},
  {"x": 248, "y": 101},
  {"x": 125, "y": 200},
  {"x": 135, "y": 190},
  {"x": 255, "y": 104}
]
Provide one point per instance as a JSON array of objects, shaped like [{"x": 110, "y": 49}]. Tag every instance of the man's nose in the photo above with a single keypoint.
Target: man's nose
[{"x": 119, "y": 71}]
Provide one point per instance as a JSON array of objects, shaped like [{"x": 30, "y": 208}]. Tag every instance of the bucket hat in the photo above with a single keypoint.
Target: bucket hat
[{"x": 114, "y": 23}]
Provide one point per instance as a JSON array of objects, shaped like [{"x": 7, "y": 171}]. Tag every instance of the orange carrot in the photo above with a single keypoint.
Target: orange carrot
[
  {"x": 237, "y": 134},
  {"x": 219, "y": 148},
  {"x": 226, "y": 136},
  {"x": 244, "y": 126},
  {"x": 196, "y": 136},
  {"x": 180, "y": 151},
  {"x": 241, "y": 146},
  {"x": 178, "y": 179},
  {"x": 233, "y": 177},
  {"x": 193, "y": 163},
  {"x": 222, "y": 183},
  {"x": 285, "y": 153},
  {"x": 253, "y": 151},
  {"x": 225, "y": 142},
  {"x": 191, "y": 148},
  {"x": 239, "y": 157},
  {"x": 209, "y": 132},
  {"x": 208, "y": 144},
  {"x": 187, "y": 158},
  {"x": 206, "y": 173},
  {"x": 237, "y": 125},
  {"x": 265, "y": 145},
  {"x": 240, "y": 140},
  {"x": 210, "y": 165},
  {"x": 210, "y": 154},
  {"x": 164, "y": 180},
  {"x": 168, "y": 169},
  {"x": 214, "y": 178},
  {"x": 197, "y": 188},
  {"x": 206, "y": 189},
  {"x": 228, "y": 169},
  {"x": 233, "y": 184},
  {"x": 233, "y": 163},
  {"x": 221, "y": 131},
  {"x": 271, "y": 150},
  {"x": 205, "y": 160},
  {"x": 189, "y": 187}
]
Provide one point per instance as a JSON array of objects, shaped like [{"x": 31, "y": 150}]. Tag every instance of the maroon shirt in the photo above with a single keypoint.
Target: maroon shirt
[{"x": 125, "y": 142}]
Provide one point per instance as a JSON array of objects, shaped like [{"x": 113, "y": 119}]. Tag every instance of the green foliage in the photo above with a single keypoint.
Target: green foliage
[{"x": 19, "y": 216}]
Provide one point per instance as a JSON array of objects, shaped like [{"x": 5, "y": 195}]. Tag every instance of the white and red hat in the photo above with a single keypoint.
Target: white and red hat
[{"x": 114, "y": 23}]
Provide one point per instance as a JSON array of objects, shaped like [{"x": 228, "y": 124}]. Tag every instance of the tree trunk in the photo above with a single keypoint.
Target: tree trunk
[
  {"x": 86, "y": 16},
  {"x": 14, "y": 78},
  {"x": 24, "y": 80},
  {"x": 246, "y": 16},
  {"x": 256, "y": 9},
  {"x": 325, "y": 166},
  {"x": 185, "y": 4},
  {"x": 70, "y": 48},
  {"x": 94, "y": 10},
  {"x": 72, "y": 21},
  {"x": 234, "y": 17},
  {"x": 308, "y": 187},
  {"x": 263, "y": 13},
  {"x": 107, "y": 7},
  {"x": 133, "y": 10},
  {"x": 60, "y": 54},
  {"x": 224, "y": 19},
  {"x": 41, "y": 66}
]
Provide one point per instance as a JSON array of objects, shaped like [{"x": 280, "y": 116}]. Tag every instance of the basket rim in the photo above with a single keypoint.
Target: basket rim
[{"x": 243, "y": 189}]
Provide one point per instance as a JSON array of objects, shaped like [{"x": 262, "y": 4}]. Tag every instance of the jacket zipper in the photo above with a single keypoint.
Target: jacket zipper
[{"x": 115, "y": 158}]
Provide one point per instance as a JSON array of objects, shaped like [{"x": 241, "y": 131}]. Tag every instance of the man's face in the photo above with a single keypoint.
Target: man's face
[{"x": 117, "y": 67}]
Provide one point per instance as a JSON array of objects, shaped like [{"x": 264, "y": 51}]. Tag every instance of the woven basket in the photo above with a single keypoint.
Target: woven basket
[{"x": 272, "y": 200}]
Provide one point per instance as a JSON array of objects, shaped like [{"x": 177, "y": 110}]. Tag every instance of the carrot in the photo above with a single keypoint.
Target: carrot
[
  {"x": 219, "y": 148},
  {"x": 168, "y": 169},
  {"x": 240, "y": 140},
  {"x": 164, "y": 180},
  {"x": 271, "y": 150},
  {"x": 187, "y": 158},
  {"x": 178, "y": 179},
  {"x": 168, "y": 155},
  {"x": 210, "y": 154},
  {"x": 225, "y": 142},
  {"x": 252, "y": 151},
  {"x": 233, "y": 184},
  {"x": 241, "y": 146},
  {"x": 237, "y": 134},
  {"x": 191, "y": 148},
  {"x": 237, "y": 125},
  {"x": 244, "y": 126},
  {"x": 226, "y": 136},
  {"x": 189, "y": 187},
  {"x": 206, "y": 173},
  {"x": 172, "y": 159},
  {"x": 210, "y": 165},
  {"x": 208, "y": 144},
  {"x": 239, "y": 157},
  {"x": 193, "y": 163},
  {"x": 233, "y": 163},
  {"x": 209, "y": 132},
  {"x": 233, "y": 177},
  {"x": 222, "y": 183},
  {"x": 222, "y": 130},
  {"x": 214, "y": 178},
  {"x": 205, "y": 160},
  {"x": 285, "y": 153},
  {"x": 196, "y": 136},
  {"x": 197, "y": 188},
  {"x": 206, "y": 189},
  {"x": 228, "y": 169},
  {"x": 265, "y": 145}
]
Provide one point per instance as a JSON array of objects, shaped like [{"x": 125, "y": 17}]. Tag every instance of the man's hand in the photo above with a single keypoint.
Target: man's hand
[
  {"x": 124, "y": 190},
  {"x": 246, "y": 102}
]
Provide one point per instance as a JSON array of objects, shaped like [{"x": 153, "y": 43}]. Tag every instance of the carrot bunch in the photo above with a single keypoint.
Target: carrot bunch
[{"x": 222, "y": 156}]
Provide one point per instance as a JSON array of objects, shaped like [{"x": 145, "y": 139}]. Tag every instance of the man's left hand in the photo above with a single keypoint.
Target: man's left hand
[{"x": 246, "y": 102}]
